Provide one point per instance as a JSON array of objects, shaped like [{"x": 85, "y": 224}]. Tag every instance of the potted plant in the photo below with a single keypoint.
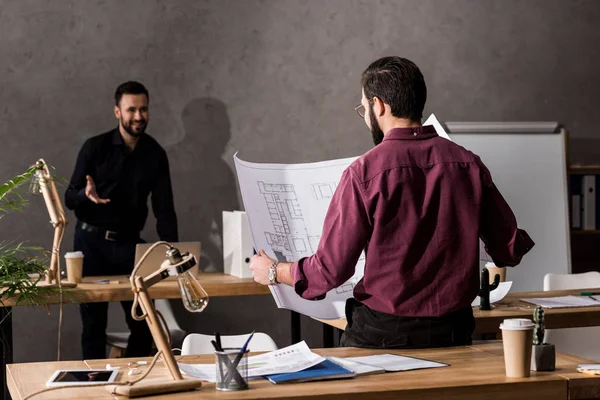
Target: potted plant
[
  {"x": 22, "y": 267},
  {"x": 543, "y": 355}
]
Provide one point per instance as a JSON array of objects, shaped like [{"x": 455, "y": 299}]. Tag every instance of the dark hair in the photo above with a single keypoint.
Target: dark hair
[
  {"x": 130, "y": 87},
  {"x": 397, "y": 82}
]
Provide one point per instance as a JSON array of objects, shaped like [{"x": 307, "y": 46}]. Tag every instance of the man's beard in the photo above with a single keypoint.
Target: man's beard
[
  {"x": 129, "y": 128},
  {"x": 376, "y": 131}
]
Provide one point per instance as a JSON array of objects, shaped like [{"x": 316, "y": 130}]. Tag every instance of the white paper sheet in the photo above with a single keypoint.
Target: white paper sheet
[
  {"x": 293, "y": 358},
  {"x": 432, "y": 120},
  {"x": 393, "y": 363},
  {"x": 286, "y": 207},
  {"x": 495, "y": 295},
  {"x": 594, "y": 367},
  {"x": 565, "y": 301},
  {"x": 204, "y": 372}
]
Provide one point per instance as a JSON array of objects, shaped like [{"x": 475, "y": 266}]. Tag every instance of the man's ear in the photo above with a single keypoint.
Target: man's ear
[
  {"x": 117, "y": 112},
  {"x": 378, "y": 106}
]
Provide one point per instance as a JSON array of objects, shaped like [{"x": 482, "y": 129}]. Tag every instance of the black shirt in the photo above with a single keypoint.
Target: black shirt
[{"x": 127, "y": 178}]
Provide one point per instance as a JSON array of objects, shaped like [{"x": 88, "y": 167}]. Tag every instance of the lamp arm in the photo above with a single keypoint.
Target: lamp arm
[
  {"x": 157, "y": 330},
  {"x": 142, "y": 259},
  {"x": 58, "y": 218},
  {"x": 154, "y": 319}
]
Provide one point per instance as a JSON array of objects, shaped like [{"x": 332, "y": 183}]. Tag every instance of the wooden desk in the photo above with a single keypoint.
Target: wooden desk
[
  {"x": 215, "y": 284},
  {"x": 475, "y": 372},
  {"x": 512, "y": 307}
]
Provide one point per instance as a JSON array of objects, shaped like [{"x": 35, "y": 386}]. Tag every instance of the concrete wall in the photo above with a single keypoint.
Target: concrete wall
[{"x": 276, "y": 80}]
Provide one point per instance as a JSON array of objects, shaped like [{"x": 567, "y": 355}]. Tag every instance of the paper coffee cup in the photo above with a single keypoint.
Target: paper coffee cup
[
  {"x": 496, "y": 271},
  {"x": 74, "y": 262},
  {"x": 517, "y": 340}
]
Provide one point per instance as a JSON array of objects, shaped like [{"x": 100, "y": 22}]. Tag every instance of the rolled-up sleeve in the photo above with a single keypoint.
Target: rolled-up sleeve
[
  {"x": 504, "y": 241},
  {"x": 346, "y": 231}
]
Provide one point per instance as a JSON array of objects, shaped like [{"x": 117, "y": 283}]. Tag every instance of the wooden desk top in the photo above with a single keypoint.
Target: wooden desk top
[
  {"x": 512, "y": 307},
  {"x": 215, "y": 284},
  {"x": 475, "y": 372}
]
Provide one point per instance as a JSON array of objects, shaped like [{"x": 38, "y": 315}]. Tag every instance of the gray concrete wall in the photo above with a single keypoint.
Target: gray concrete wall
[{"x": 276, "y": 80}]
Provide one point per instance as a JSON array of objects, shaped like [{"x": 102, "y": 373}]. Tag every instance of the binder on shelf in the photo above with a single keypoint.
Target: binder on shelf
[
  {"x": 575, "y": 189},
  {"x": 588, "y": 193},
  {"x": 597, "y": 202}
]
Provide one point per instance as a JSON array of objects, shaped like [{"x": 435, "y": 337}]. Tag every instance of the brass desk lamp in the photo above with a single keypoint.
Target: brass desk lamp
[
  {"x": 194, "y": 299},
  {"x": 44, "y": 183}
]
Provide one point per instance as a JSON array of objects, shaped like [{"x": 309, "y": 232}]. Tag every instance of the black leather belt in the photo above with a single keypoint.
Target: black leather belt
[{"x": 111, "y": 236}]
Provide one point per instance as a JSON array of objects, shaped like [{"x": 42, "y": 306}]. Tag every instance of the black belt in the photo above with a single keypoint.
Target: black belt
[{"x": 107, "y": 234}]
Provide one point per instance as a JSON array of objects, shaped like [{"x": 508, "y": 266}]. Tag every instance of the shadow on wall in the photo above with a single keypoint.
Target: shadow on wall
[{"x": 207, "y": 184}]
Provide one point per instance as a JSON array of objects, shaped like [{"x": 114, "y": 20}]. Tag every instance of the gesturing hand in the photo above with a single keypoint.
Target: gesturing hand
[{"x": 90, "y": 192}]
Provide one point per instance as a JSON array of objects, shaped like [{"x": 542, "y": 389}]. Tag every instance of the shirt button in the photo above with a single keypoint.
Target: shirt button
[{"x": 415, "y": 134}]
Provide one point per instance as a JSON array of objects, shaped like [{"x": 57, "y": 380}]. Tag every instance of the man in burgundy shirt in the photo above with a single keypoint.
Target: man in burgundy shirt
[{"x": 417, "y": 204}]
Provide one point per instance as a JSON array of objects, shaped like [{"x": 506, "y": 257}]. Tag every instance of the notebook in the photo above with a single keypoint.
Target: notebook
[
  {"x": 324, "y": 370},
  {"x": 158, "y": 255}
]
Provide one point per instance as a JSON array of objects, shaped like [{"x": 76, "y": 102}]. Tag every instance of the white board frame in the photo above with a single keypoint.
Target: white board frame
[{"x": 528, "y": 163}]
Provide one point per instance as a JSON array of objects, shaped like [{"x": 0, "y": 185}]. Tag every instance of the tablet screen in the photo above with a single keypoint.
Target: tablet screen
[{"x": 83, "y": 376}]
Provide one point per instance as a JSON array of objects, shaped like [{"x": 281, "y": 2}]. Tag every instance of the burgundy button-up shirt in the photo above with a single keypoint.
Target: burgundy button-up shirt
[{"x": 417, "y": 204}]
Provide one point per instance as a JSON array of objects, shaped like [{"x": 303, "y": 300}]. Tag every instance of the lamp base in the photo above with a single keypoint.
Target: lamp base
[{"x": 153, "y": 386}]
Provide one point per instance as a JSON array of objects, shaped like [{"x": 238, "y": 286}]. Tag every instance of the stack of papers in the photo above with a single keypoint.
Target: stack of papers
[
  {"x": 293, "y": 358},
  {"x": 565, "y": 301},
  {"x": 297, "y": 363}
]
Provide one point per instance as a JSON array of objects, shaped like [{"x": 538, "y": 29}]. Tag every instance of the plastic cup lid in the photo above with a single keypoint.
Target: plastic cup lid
[
  {"x": 74, "y": 254},
  {"x": 490, "y": 265},
  {"x": 517, "y": 324}
]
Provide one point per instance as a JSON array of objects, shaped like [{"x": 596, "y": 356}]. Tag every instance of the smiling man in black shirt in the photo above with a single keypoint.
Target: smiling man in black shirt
[{"x": 113, "y": 177}]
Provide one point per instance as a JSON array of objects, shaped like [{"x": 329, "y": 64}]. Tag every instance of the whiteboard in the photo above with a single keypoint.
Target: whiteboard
[{"x": 528, "y": 164}]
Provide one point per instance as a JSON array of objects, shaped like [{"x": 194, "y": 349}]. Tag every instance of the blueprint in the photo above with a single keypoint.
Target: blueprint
[{"x": 286, "y": 206}]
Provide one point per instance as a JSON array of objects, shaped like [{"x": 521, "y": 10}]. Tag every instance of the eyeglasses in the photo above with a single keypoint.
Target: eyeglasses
[{"x": 360, "y": 110}]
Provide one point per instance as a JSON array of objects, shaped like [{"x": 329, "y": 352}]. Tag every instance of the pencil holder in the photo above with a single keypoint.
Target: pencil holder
[{"x": 232, "y": 369}]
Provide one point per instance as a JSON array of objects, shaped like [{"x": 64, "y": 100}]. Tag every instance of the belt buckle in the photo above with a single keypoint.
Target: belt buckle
[{"x": 108, "y": 237}]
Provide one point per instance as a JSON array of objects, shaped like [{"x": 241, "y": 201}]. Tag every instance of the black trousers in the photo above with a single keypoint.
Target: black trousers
[
  {"x": 105, "y": 257},
  {"x": 376, "y": 330}
]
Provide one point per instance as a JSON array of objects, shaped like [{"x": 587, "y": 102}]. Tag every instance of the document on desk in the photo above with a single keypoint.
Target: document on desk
[
  {"x": 394, "y": 363},
  {"x": 565, "y": 301},
  {"x": 357, "y": 367},
  {"x": 294, "y": 358},
  {"x": 286, "y": 206}
]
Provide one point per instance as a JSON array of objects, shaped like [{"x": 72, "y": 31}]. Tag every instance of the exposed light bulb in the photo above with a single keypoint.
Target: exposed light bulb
[{"x": 193, "y": 295}]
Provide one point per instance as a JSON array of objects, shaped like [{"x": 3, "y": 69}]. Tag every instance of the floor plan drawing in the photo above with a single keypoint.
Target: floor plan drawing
[
  {"x": 323, "y": 191},
  {"x": 289, "y": 239},
  {"x": 286, "y": 205}
]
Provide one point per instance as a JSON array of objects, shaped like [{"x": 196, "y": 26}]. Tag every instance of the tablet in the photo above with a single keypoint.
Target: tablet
[{"x": 81, "y": 377}]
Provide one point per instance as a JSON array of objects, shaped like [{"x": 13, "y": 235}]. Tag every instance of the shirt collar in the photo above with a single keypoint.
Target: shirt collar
[
  {"x": 117, "y": 139},
  {"x": 416, "y": 133}
]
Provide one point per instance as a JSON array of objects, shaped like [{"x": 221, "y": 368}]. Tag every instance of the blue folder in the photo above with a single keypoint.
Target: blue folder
[{"x": 324, "y": 370}]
